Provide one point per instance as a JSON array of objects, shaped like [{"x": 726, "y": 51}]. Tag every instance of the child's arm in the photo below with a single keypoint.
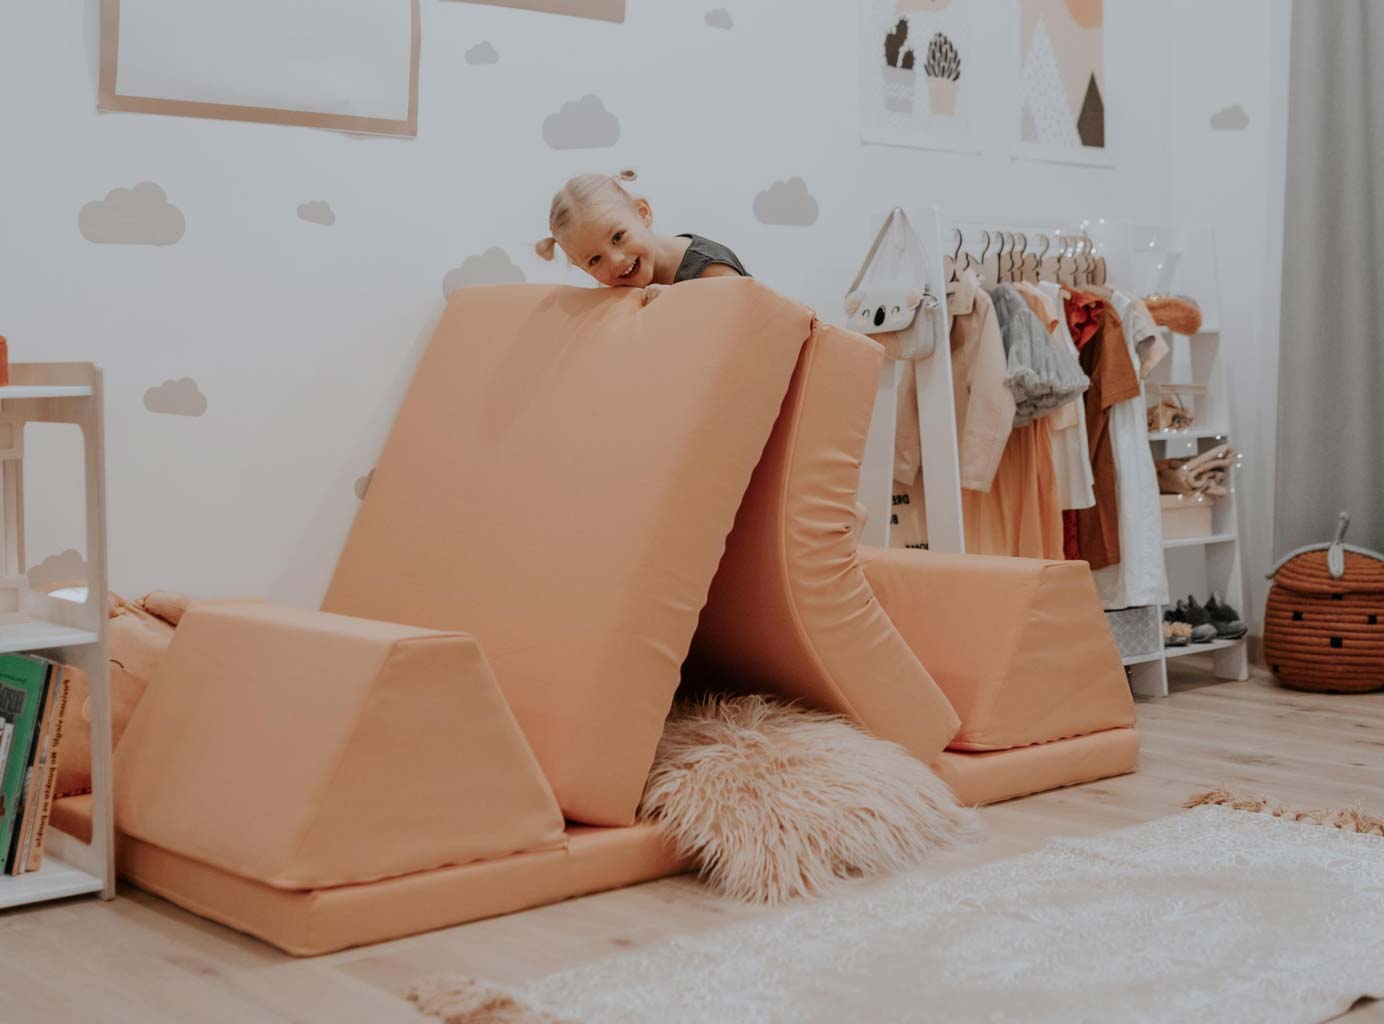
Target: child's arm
[{"x": 651, "y": 291}]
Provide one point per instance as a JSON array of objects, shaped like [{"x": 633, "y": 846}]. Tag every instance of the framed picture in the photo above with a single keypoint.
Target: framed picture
[
  {"x": 601, "y": 10},
  {"x": 291, "y": 62},
  {"x": 1061, "y": 85},
  {"x": 918, "y": 74}
]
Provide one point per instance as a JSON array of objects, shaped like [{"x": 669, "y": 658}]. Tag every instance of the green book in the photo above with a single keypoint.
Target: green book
[{"x": 22, "y": 680}]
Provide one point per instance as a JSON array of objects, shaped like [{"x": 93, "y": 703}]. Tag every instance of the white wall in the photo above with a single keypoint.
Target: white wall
[
  {"x": 1233, "y": 182},
  {"x": 302, "y": 337}
]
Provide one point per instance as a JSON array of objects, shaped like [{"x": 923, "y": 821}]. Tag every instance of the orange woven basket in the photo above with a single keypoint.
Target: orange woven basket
[{"x": 1324, "y": 620}]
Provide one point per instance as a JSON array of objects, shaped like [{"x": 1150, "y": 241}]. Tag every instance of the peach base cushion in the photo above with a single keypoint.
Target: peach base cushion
[
  {"x": 560, "y": 482},
  {"x": 302, "y": 750},
  {"x": 987, "y": 778},
  {"x": 315, "y": 921},
  {"x": 1020, "y": 646},
  {"x": 790, "y": 611}
]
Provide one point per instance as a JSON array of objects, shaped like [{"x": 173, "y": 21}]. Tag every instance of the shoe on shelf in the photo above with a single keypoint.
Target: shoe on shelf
[
  {"x": 1176, "y": 634},
  {"x": 1203, "y": 630},
  {"x": 1229, "y": 625}
]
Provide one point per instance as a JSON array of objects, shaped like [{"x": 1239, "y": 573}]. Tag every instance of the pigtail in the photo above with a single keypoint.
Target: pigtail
[
  {"x": 626, "y": 174},
  {"x": 545, "y": 248}
]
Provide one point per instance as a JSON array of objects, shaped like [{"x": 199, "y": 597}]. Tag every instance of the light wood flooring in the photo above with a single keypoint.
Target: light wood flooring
[{"x": 141, "y": 960}]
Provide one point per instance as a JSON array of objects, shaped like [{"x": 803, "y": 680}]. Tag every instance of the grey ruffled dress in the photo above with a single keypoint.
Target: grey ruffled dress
[{"x": 1040, "y": 375}]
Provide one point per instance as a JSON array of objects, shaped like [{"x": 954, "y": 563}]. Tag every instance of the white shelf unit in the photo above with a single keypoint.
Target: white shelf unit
[
  {"x": 1183, "y": 262},
  {"x": 64, "y": 630}
]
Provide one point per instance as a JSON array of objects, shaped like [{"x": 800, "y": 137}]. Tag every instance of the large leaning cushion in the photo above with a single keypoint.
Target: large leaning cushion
[
  {"x": 790, "y": 611},
  {"x": 303, "y": 750},
  {"x": 560, "y": 482}
]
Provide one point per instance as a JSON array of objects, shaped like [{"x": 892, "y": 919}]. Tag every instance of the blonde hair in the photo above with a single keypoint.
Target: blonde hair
[{"x": 576, "y": 197}]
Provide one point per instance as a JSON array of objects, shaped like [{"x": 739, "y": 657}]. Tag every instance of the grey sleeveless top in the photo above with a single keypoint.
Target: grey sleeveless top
[{"x": 701, "y": 254}]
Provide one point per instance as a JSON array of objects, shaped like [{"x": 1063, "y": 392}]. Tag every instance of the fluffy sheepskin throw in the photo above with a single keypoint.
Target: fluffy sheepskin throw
[{"x": 774, "y": 801}]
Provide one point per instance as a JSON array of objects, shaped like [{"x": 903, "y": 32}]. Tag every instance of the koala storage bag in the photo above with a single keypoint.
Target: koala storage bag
[
  {"x": 1324, "y": 619},
  {"x": 884, "y": 299}
]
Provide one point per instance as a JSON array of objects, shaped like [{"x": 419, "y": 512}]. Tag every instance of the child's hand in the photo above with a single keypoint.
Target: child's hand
[{"x": 651, "y": 292}]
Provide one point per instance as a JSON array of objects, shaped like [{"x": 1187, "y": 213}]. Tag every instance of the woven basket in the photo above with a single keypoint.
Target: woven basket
[{"x": 1324, "y": 621}]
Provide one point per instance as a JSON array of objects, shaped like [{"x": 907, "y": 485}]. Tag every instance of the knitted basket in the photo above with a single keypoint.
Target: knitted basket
[{"x": 1324, "y": 620}]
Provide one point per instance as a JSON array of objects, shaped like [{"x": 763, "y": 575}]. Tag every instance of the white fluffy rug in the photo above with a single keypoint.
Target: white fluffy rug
[{"x": 1211, "y": 915}]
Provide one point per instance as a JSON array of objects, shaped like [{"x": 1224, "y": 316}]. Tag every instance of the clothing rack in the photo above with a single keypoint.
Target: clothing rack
[
  {"x": 1141, "y": 261},
  {"x": 996, "y": 249}
]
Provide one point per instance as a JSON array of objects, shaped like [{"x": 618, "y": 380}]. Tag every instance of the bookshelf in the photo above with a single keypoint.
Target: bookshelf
[
  {"x": 1184, "y": 262},
  {"x": 57, "y": 627}
]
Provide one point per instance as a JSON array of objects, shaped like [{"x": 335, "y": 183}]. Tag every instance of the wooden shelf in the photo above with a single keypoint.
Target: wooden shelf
[
  {"x": 37, "y": 635},
  {"x": 54, "y": 880},
  {"x": 66, "y": 630},
  {"x": 1194, "y": 542},
  {"x": 1214, "y": 645},
  {"x": 1140, "y": 659},
  {"x": 44, "y": 391},
  {"x": 1186, "y": 435}
]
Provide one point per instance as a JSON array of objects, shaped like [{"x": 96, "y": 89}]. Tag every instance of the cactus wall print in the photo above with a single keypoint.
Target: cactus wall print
[
  {"x": 900, "y": 79},
  {"x": 943, "y": 69},
  {"x": 1059, "y": 112},
  {"x": 914, "y": 85}
]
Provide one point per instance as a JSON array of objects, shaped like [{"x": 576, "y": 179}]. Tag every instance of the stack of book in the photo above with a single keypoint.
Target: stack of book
[{"x": 33, "y": 699}]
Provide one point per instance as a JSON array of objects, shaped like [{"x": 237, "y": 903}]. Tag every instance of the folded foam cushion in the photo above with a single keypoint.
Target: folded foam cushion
[
  {"x": 1020, "y": 646},
  {"x": 790, "y": 611},
  {"x": 138, "y": 633},
  {"x": 303, "y": 750},
  {"x": 560, "y": 482}
]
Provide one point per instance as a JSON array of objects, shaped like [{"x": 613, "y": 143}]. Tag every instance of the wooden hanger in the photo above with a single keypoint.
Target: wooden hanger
[
  {"x": 1028, "y": 261},
  {"x": 1047, "y": 265},
  {"x": 1066, "y": 262},
  {"x": 988, "y": 266},
  {"x": 1102, "y": 271},
  {"x": 951, "y": 262}
]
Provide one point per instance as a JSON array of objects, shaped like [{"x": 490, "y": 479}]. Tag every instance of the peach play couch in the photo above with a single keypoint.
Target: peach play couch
[{"x": 582, "y": 504}]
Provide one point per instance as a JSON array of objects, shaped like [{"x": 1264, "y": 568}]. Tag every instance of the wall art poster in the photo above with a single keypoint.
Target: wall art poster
[
  {"x": 290, "y": 62},
  {"x": 918, "y": 73},
  {"x": 1061, "y": 81}
]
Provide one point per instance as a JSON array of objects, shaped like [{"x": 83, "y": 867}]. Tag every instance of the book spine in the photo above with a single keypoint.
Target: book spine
[
  {"x": 23, "y": 679},
  {"x": 6, "y": 741},
  {"x": 28, "y": 800},
  {"x": 33, "y": 858}
]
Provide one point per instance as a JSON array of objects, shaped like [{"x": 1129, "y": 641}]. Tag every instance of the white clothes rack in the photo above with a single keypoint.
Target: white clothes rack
[{"x": 1145, "y": 260}]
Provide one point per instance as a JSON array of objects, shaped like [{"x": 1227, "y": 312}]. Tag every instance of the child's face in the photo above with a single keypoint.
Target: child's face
[{"x": 613, "y": 244}]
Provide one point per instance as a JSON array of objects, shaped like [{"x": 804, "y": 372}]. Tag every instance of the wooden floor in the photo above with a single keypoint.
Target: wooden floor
[{"x": 139, "y": 959}]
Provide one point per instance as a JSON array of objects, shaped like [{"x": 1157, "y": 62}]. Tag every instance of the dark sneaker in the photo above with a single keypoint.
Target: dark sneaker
[
  {"x": 1203, "y": 629},
  {"x": 1229, "y": 625}
]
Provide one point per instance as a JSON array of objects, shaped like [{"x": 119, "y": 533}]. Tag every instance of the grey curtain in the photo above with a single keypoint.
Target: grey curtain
[{"x": 1331, "y": 366}]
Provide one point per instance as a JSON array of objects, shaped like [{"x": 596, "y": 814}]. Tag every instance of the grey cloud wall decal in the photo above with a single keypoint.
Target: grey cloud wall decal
[
  {"x": 1230, "y": 119},
  {"x": 319, "y": 211},
  {"x": 490, "y": 267},
  {"x": 176, "y": 398},
  {"x": 483, "y": 53},
  {"x": 786, "y": 202},
  {"x": 67, "y": 567},
  {"x": 720, "y": 18},
  {"x": 363, "y": 484},
  {"x": 132, "y": 216},
  {"x": 582, "y": 124}
]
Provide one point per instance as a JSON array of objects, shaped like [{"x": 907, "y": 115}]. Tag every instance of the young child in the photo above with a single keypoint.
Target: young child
[{"x": 609, "y": 234}]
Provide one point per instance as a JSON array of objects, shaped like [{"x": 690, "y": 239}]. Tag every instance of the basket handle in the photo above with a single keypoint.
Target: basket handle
[{"x": 1336, "y": 554}]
